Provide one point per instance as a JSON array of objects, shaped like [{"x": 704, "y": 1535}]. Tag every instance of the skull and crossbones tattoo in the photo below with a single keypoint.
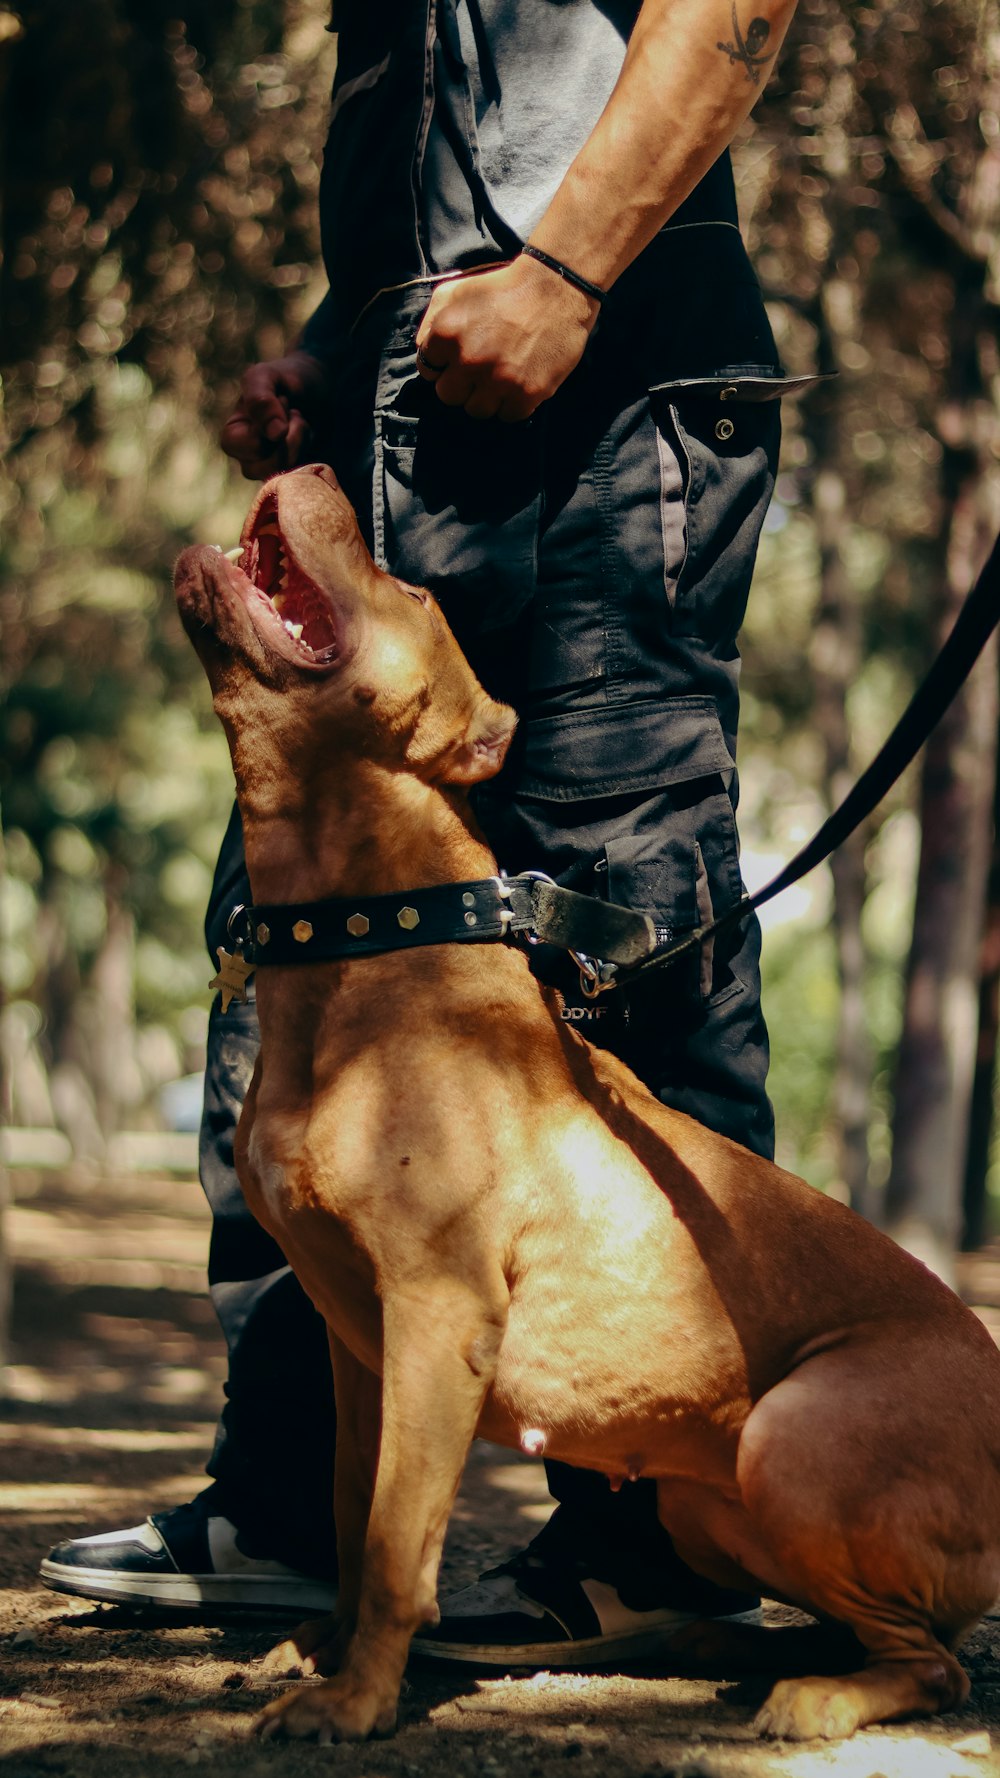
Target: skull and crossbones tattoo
[{"x": 747, "y": 50}]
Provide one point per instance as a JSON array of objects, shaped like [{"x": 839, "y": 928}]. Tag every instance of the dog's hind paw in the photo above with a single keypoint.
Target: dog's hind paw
[
  {"x": 883, "y": 1691},
  {"x": 809, "y": 1710}
]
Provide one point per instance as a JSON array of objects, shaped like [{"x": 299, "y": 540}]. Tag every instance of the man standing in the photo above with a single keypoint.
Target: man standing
[{"x": 545, "y": 379}]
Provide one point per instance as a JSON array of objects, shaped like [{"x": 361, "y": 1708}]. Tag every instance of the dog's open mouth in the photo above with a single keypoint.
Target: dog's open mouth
[{"x": 301, "y": 607}]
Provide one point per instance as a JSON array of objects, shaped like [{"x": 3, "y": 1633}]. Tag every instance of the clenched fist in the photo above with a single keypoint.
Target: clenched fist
[
  {"x": 269, "y": 426},
  {"x": 501, "y": 342}
]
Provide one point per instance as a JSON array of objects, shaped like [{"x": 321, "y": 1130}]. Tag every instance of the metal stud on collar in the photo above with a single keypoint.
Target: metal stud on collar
[{"x": 506, "y": 915}]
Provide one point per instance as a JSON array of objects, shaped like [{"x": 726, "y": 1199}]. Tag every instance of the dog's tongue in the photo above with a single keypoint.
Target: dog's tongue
[
  {"x": 303, "y": 607},
  {"x": 306, "y": 615}
]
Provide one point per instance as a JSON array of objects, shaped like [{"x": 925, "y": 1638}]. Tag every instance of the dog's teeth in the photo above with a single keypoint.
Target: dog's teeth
[
  {"x": 294, "y": 630},
  {"x": 232, "y": 555},
  {"x": 277, "y": 600}
]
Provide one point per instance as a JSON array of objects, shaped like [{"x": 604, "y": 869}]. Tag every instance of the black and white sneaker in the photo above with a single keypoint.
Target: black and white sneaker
[
  {"x": 539, "y": 1610},
  {"x": 187, "y": 1556}
]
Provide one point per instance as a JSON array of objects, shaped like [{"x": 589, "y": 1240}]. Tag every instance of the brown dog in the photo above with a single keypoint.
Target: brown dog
[{"x": 509, "y": 1236}]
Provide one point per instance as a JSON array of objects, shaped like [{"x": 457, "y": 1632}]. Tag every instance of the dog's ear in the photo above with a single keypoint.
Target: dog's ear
[{"x": 482, "y": 751}]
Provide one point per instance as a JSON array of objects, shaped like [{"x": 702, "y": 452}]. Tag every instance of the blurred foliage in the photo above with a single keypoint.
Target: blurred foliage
[
  {"x": 870, "y": 182},
  {"x": 159, "y": 187},
  {"x": 159, "y": 180}
]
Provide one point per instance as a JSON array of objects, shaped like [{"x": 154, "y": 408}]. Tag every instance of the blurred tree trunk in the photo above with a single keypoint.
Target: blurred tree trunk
[
  {"x": 936, "y": 1061},
  {"x": 10, "y": 31},
  {"x": 853, "y": 1080},
  {"x": 981, "y": 1120},
  {"x": 112, "y": 1069},
  {"x": 937, "y": 1056},
  {"x": 835, "y": 654},
  {"x": 835, "y": 661}
]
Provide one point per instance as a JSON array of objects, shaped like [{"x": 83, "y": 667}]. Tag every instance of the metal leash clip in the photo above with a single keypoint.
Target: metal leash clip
[
  {"x": 533, "y": 876},
  {"x": 595, "y": 977},
  {"x": 240, "y": 939}
]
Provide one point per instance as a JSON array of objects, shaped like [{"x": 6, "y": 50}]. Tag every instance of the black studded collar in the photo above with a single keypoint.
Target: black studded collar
[{"x": 529, "y": 907}]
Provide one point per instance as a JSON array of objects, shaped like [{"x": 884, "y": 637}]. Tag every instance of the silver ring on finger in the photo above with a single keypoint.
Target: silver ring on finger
[{"x": 434, "y": 369}]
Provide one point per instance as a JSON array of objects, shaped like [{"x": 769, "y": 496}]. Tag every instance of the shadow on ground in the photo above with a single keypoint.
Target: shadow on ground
[{"x": 108, "y": 1413}]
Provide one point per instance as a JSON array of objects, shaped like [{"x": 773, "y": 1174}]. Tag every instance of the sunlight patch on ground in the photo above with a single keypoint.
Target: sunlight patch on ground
[
  {"x": 126, "y": 1273},
  {"x": 23, "y": 1382},
  {"x": 164, "y": 1387},
  {"x": 517, "y": 1478},
  {"x": 527, "y": 1481},
  {"x": 77, "y": 1249},
  {"x": 71, "y": 1499},
  {"x": 89, "y": 1438},
  {"x": 888, "y": 1756}
]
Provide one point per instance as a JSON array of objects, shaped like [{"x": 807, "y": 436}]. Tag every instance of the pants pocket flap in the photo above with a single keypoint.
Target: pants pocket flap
[
  {"x": 741, "y": 386},
  {"x": 617, "y": 749}
]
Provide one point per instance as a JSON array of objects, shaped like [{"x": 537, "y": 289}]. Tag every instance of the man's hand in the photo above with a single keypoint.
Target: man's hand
[
  {"x": 501, "y": 342},
  {"x": 269, "y": 427}
]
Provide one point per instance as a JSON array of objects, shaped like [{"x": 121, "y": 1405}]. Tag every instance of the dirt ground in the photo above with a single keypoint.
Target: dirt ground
[{"x": 107, "y": 1414}]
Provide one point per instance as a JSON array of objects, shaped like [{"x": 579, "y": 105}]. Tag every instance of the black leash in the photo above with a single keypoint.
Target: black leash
[
  {"x": 972, "y": 629},
  {"x": 612, "y": 945}
]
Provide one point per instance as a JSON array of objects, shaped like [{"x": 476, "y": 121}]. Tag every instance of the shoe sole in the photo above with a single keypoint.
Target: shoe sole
[
  {"x": 585, "y": 1651},
  {"x": 251, "y": 1593}
]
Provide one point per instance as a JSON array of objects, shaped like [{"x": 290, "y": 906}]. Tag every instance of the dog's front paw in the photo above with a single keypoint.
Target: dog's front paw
[
  {"x": 811, "y": 1709},
  {"x": 340, "y": 1710},
  {"x": 317, "y": 1646}
]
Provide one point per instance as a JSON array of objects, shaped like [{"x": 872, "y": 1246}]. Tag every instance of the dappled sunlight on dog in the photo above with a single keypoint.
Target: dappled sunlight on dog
[{"x": 508, "y": 1235}]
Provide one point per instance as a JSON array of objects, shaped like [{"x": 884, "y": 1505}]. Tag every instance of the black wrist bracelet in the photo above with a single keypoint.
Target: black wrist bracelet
[{"x": 564, "y": 271}]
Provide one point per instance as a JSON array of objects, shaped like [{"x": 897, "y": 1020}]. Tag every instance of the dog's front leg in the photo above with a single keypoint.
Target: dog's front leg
[
  {"x": 440, "y": 1350},
  {"x": 318, "y": 1645}
]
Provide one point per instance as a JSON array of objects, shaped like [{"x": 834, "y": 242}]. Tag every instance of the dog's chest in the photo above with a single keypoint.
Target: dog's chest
[
  {"x": 293, "y": 1199},
  {"x": 266, "y": 1182}
]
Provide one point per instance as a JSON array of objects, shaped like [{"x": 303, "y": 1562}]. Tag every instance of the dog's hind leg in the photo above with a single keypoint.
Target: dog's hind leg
[
  {"x": 855, "y": 1519},
  {"x": 440, "y": 1347}
]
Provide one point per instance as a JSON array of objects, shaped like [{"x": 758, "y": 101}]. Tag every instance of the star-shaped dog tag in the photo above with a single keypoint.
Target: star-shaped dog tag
[{"x": 232, "y": 977}]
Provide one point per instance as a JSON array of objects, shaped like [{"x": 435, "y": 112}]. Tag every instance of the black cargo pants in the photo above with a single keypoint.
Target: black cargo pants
[{"x": 595, "y": 564}]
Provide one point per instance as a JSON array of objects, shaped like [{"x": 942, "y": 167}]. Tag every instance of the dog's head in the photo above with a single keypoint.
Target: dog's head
[{"x": 313, "y": 652}]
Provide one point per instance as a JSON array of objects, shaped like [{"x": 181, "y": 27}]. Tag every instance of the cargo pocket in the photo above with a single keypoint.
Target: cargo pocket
[
  {"x": 717, "y": 441},
  {"x": 457, "y": 504},
  {"x": 630, "y": 803},
  {"x": 685, "y": 876}
]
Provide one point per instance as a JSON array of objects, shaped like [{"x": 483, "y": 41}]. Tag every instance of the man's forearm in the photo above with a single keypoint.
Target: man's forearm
[
  {"x": 692, "y": 72},
  {"x": 504, "y": 341}
]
